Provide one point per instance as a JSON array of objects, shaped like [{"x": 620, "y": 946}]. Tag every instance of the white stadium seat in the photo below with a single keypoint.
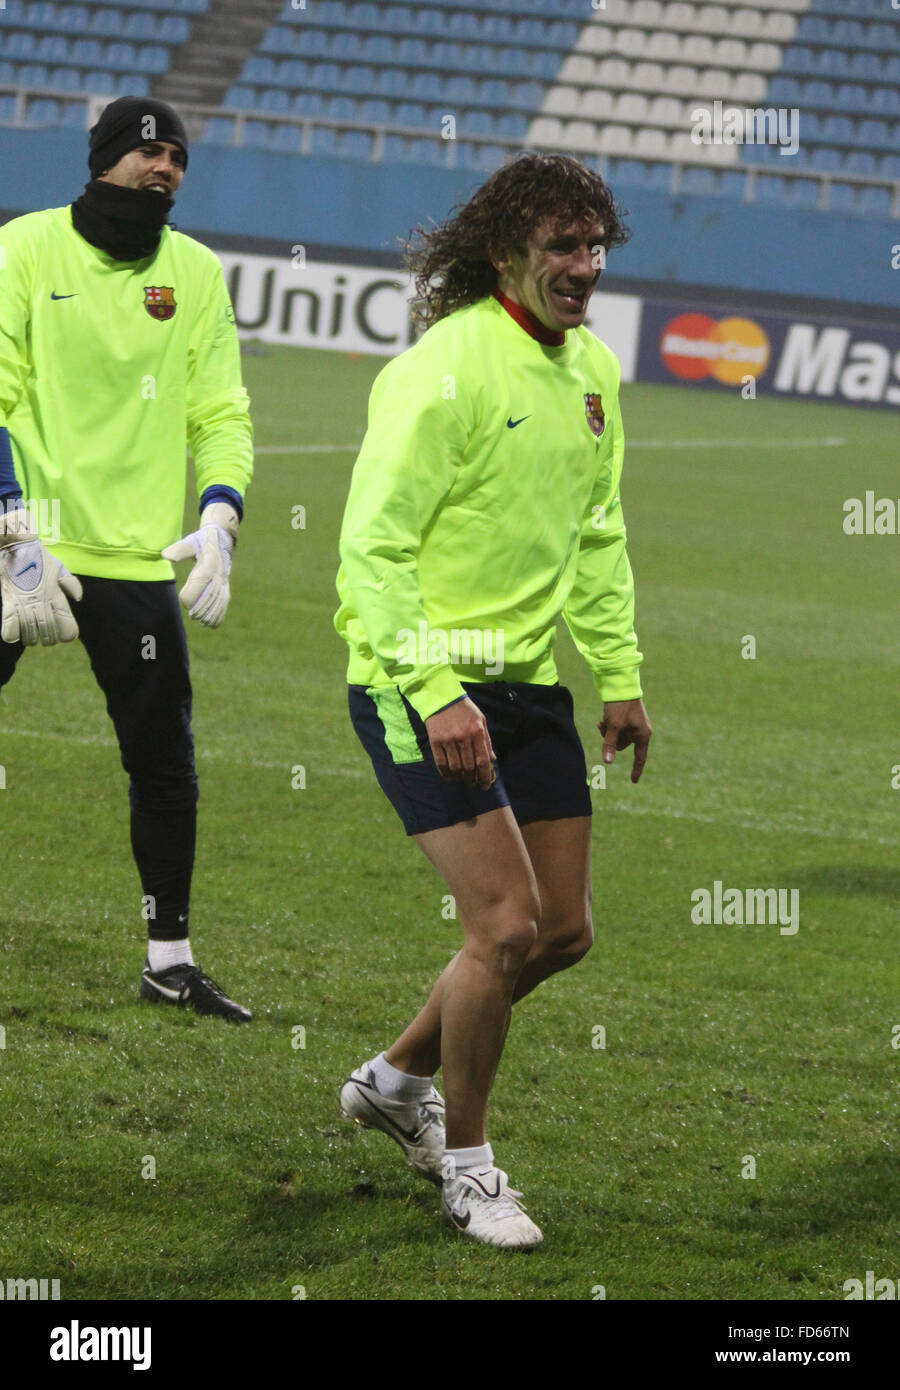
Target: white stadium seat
[
  {"x": 647, "y": 13},
  {"x": 615, "y": 139},
  {"x": 697, "y": 48},
  {"x": 576, "y": 69},
  {"x": 650, "y": 142},
  {"x": 664, "y": 46},
  {"x": 561, "y": 101},
  {"x": 680, "y": 78},
  {"x": 631, "y": 42},
  {"x": 581, "y": 135},
  {"x": 597, "y": 103},
  {"x": 666, "y": 111},
  {"x": 731, "y": 53},
  {"x": 764, "y": 57},
  {"x": 680, "y": 17},
  {"x": 631, "y": 107},
  {"x": 781, "y": 27},
  {"x": 545, "y": 132},
  {"x": 613, "y": 72},
  {"x": 648, "y": 76},
  {"x": 596, "y": 38}
]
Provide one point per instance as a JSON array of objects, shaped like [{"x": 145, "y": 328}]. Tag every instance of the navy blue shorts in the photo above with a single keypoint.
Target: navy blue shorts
[{"x": 541, "y": 771}]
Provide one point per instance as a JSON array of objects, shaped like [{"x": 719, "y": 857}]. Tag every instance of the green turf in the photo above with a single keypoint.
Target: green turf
[{"x": 312, "y": 907}]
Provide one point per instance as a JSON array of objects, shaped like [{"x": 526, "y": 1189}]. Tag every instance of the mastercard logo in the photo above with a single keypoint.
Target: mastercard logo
[{"x": 694, "y": 346}]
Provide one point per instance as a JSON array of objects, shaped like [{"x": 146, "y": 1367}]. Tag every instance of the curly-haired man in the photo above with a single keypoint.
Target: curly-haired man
[{"x": 484, "y": 504}]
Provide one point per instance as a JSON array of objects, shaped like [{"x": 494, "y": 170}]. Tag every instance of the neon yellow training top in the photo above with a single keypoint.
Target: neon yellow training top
[
  {"x": 109, "y": 371},
  {"x": 484, "y": 503}
]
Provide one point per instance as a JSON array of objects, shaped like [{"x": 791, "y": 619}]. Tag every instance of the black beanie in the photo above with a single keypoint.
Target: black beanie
[{"x": 123, "y": 126}]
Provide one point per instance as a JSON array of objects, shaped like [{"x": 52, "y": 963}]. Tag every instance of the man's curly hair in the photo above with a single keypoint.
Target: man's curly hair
[{"x": 451, "y": 262}]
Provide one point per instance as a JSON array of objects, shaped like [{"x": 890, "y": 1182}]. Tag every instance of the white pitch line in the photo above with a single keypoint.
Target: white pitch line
[
  {"x": 630, "y": 808},
  {"x": 831, "y": 443}
]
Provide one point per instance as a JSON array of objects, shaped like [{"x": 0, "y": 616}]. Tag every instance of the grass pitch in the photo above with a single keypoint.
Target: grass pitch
[{"x": 147, "y": 1153}]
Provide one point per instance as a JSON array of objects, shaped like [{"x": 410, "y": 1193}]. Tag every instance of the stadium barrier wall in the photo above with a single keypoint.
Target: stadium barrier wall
[
  {"x": 808, "y": 351},
  {"x": 679, "y": 239}
]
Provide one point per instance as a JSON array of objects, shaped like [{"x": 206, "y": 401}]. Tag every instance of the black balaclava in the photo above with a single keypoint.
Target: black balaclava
[{"x": 126, "y": 222}]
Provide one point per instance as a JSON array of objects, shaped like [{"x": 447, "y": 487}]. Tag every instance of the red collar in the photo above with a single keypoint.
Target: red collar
[{"x": 533, "y": 326}]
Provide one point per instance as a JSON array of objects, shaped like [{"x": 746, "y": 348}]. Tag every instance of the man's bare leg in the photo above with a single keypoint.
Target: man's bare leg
[
  {"x": 558, "y": 852},
  {"x": 486, "y": 868}
]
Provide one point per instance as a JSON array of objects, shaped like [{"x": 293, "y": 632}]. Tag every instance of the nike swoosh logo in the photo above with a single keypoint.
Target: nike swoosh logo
[
  {"x": 411, "y": 1134},
  {"x": 511, "y": 423},
  {"x": 461, "y": 1221},
  {"x": 475, "y": 1178},
  {"x": 32, "y": 566},
  {"x": 54, "y": 295}
]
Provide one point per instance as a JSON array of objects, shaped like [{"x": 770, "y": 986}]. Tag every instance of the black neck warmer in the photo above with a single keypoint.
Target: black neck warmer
[{"x": 124, "y": 222}]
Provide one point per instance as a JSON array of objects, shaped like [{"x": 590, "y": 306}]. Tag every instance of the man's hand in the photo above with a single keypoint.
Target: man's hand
[
  {"x": 34, "y": 586},
  {"x": 625, "y": 722},
  {"x": 207, "y": 592},
  {"x": 461, "y": 744}
]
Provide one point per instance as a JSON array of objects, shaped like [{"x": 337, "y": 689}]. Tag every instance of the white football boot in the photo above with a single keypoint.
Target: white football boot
[
  {"x": 416, "y": 1125},
  {"x": 481, "y": 1204}
]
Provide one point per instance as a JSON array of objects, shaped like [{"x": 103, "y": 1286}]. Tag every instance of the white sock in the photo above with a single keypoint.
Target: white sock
[
  {"x": 398, "y": 1085},
  {"x": 162, "y": 954},
  {"x": 468, "y": 1160}
]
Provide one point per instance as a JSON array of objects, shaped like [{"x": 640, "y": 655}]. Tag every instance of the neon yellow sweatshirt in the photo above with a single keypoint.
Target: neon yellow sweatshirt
[
  {"x": 109, "y": 371},
  {"x": 485, "y": 501}
]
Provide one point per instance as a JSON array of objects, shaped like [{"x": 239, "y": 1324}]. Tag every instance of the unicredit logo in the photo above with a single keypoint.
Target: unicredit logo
[{"x": 694, "y": 346}]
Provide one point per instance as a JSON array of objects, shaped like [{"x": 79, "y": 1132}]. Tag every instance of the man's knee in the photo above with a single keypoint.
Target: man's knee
[
  {"x": 509, "y": 932},
  {"x": 567, "y": 943}
]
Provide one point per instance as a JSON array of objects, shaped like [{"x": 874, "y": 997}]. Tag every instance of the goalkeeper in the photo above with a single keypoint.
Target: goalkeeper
[
  {"x": 118, "y": 351},
  {"x": 484, "y": 504}
]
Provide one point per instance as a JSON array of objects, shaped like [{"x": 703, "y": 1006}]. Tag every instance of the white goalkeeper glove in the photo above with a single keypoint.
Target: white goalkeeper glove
[
  {"x": 206, "y": 593},
  {"x": 35, "y": 588}
]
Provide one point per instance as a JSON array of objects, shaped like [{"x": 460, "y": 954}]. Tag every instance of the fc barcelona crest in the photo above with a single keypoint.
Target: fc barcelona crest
[
  {"x": 159, "y": 301},
  {"x": 593, "y": 409}
]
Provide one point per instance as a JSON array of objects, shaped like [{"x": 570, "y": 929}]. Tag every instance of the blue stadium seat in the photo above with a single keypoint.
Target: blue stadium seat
[
  {"x": 293, "y": 72},
  {"x": 324, "y": 140},
  {"x": 886, "y": 100},
  {"x": 359, "y": 79},
  {"x": 256, "y": 133},
  {"x": 837, "y": 130},
  {"x": 861, "y": 162},
  {"x": 286, "y": 137},
  {"x": 866, "y": 65},
  {"x": 429, "y": 85},
  {"x": 241, "y": 98},
  {"x": 219, "y": 131},
  {"x": 487, "y": 158},
  {"x": 325, "y": 76},
  {"x": 275, "y": 99},
  {"x": 355, "y": 144},
  {"x": 410, "y": 114},
  {"x": 42, "y": 111},
  {"x": 73, "y": 115},
  {"x": 308, "y": 104},
  {"x": 513, "y": 125},
  {"x": 494, "y": 92},
  {"x": 842, "y": 197},
  {"x": 20, "y": 45},
  {"x": 53, "y": 48},
  {"x": 87, "y": 53},
  {"x": 874, "y": 134},
  {"x": 315, "y": 44},
  {"x": 7, "y": 107},
  {"x": 874, "y": 201},
  {"x": 377, "y": 48},
  {"x": 65, "y": 79},
  {"x": 342, "y": 109},
  {"x": 818, "y": 93},
  {"x": 132, "y": 84},
  {"x": 890, "y": 166},
  {"x": 258, "y": 70},
  {"x": 32, "y": 75},
  {"x": 73, "y": 18},
  {"x": 397, "y": 19},
  {"x": 140, "y": 25},
  {"x": 827, "y": 158},
  {"x": 376, "y": 110},
  {"x": 106, "y": 22}
]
